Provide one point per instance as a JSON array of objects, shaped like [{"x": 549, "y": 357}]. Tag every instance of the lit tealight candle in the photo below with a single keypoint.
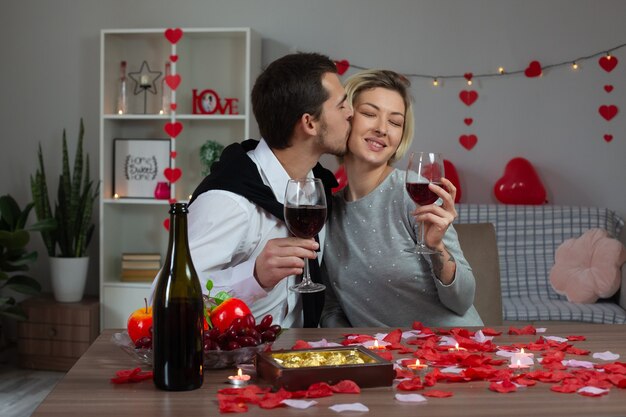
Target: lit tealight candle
[
  {"x": 376, "y": 346},
  {"x": 417, "y": 367},
  {"x": 116, "y": 196},
  {"x": 145, "y": 81},
  {"x": 523, "y": 358},
  {"x": 240, "y": 379},
  {"x": 518, "y": 365},
  {"x": 456, "y": 348}
]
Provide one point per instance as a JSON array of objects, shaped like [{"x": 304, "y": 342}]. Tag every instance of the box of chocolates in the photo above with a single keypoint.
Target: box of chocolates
[{"x": 298, "y": 369}]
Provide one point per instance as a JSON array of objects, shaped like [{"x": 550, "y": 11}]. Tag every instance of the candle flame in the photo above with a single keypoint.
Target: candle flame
[
  {"x": 519, "y": 363},
  {"x": 239, "y": 373},
  {"x": 456, "y": 346},
  {"x": 375, "y": 343},
  {"x": 522, "y": 352}
]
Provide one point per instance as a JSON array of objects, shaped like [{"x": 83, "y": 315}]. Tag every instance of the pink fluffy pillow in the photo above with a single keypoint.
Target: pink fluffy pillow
[{"x": 588, "y": 267}]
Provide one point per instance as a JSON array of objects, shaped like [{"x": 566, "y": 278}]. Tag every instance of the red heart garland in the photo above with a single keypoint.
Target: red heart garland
[
  {"x": 172, "y": 200},
  {"x": 172, "y": 174},
  {"x": 608, "y": 64},
  {"x": 173, "y": 154},
  {"x": 342, "y": 66},
  {"x": 608, "y": 88},
  {"x": 468, "y": 121},
  {"x": 608, "y": 112},
  {"x": 533, "y": 70},
  {"x": 173, "y": 58},
  {"x": 173, "y": 81},
  {"x": 608, "y": 138},
  {"x": 173, "y": 129},
  {"x": 468, "y": 96},
  {"x": 468, "y": 76},
  {"x": 173, "y": 106},
  {"x": 166, "y": 224},
  {"x": 173, "y": 35},
  {"x": 468, "y": 141}
]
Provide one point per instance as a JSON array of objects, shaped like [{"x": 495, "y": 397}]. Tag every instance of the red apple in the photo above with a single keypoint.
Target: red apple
[{"x": 140, "y": 323}]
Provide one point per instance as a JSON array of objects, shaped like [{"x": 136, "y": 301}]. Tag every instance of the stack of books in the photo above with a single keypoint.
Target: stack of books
[{"x": 140, "y": 267}]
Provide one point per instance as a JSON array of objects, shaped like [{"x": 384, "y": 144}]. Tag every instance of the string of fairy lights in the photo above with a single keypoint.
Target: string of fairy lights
[{"x": 574, "y": 64}]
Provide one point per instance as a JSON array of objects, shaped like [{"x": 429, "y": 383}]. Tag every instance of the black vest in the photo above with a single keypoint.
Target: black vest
[{"x": 237, "y": 173}]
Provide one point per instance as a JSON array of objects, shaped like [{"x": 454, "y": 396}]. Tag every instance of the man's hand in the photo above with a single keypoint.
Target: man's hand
[{"x": 281, "y": 258}]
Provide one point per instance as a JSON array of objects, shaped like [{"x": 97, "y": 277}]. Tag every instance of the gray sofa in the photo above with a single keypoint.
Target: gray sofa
[{"x": 527, "y": 238}]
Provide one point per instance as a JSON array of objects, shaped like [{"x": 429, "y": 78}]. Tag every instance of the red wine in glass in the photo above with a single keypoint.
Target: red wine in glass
[
  {"x": 305, "y": 221},
  {"x": 421, "y": 194},
  {"x": 305, "y": 214},
  {"x": 424, "y": 168}
]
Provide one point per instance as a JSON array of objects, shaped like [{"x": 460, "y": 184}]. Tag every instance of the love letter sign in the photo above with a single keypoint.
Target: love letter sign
[{"x": 209, "y": 102}]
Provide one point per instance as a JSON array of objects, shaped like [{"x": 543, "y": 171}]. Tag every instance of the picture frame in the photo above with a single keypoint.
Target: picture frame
[{"x": 138, "y": 166}]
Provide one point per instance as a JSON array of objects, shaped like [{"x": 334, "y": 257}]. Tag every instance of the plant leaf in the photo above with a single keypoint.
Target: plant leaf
[
  {"x": 14, "y": 312},
  {"x": 220, "y": 297},
  {"x": 24, "y": 284}
]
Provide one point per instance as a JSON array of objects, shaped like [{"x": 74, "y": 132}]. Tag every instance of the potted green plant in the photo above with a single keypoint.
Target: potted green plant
[
  {"x": 15, "y": 259},
  {"x": 67, "y": 243}
]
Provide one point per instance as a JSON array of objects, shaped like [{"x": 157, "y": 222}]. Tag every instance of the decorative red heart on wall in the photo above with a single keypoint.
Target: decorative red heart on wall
[
  {"x": 468, "y": 141},
  {"x": 341, "y": 177},
  {"x": 173, "y": 35},
  {"x": 173, "y": 106},
  {"x": 468, "y": 76},
  {"x": 608, "y": 138},
  {"x": 608, "y": 63},
  {"x": 533, "y": 69},
  {"x": 608, "y": 88},
  {"x": 172, "y": 174},
  {"x": 173, "y": 154},
  {"x": 608, "y": 112},
  {"x": 468, "y": 121},
  {"x": 342, "y": 66},
  {"x": 453, "y": 176},
  {"x": 173, "y": 81},
  {"x": 166, "y": 224},
  {"x": 173, "y": 58},
  {"x": 520, "y": 184},
  {"x": 468, "y": 96},
  {"x": 173, "y": 129}
]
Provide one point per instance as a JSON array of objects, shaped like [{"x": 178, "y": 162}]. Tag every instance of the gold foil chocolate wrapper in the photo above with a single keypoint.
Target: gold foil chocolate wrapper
[{"x": 298, "y": 369}]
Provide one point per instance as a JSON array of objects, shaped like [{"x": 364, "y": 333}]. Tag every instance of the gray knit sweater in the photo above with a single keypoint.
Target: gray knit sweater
[{"x": 372, "y": 281}]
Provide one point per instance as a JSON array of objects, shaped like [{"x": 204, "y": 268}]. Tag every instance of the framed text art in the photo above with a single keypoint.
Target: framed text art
[{"x": 138, "y": 166}]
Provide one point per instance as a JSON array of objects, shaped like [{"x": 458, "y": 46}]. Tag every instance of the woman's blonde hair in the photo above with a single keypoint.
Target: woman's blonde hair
[{"x": 390, "y": 80}]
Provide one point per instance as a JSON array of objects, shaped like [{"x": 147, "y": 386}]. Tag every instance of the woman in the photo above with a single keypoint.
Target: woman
[{"x": 371, "y": 280}]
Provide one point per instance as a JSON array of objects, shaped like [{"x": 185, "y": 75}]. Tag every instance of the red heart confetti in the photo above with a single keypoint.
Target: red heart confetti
[
  {"x": 437, "y": 394},
  {"x": 608, "y": 138},
  {"x": 173, "y": 106},
  {"x": 173, "y": 154},
  {"x": 173, "y": 81},
  {"x": 530, "y": 329},
  {"x": 468, "y": 121},
  {"x": 608, "y": 63},
  {"x": 468, "y": 141},
  {"x": 166, "y": 224},
  {"x": 173, "y": 35},
  {"x": 608, "y": 88},
  {"x": 131, "y": 375},
  {"x": 173, "y": 58},
  {"x": 468, "y": 76},
  {"x": 342, "y": 66},
  {"x": 468, "y": 97},
  {"x": 172, "y": 174},
  {"x": 173, "y": 129},
  {"x": 608, "y": 112},
  {"x": 346, "y": 387},
  {"x": 533, "y": 70}
]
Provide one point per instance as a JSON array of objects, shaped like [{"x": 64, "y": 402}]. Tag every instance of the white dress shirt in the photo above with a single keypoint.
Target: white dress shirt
[{"x": 226, "y": 234}]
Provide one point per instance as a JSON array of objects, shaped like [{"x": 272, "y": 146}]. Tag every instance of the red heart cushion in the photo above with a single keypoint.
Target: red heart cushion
[{"x": 520, "y": 184}]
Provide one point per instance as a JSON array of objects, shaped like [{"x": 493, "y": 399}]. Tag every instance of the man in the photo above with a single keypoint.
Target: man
[{"x": 236, "y": 233}]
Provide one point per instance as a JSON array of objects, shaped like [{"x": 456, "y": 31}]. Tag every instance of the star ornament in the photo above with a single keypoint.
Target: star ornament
[{"x": 145, "y": 79}]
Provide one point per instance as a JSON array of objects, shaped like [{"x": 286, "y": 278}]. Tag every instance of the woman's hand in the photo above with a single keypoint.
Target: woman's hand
[{"x": 437, "y": 218}]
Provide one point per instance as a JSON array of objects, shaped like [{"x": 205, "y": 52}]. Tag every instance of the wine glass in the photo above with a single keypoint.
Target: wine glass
[
  {"x": 305, "y": 214},
  {"x": 429, "y": 168}
]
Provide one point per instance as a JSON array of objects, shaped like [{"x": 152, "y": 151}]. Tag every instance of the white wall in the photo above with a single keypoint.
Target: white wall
[{"x": 49, "y": 69}]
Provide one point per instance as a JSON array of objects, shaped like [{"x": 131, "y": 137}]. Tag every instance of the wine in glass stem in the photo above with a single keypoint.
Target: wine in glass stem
[{"x": 305, "y": 215}]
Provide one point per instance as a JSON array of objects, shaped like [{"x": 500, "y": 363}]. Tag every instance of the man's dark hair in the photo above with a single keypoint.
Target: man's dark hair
[{"x": 288, "y": 88}]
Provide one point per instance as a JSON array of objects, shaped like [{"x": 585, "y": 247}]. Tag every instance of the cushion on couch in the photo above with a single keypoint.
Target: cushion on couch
[{"x": 588, "y": 267}]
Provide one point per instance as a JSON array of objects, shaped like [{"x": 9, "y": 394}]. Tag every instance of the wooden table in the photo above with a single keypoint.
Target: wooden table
[{"x": 86, "y": 389}]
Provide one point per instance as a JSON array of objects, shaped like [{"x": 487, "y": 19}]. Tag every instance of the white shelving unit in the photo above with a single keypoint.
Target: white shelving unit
[{"x": 226, "y": 60}]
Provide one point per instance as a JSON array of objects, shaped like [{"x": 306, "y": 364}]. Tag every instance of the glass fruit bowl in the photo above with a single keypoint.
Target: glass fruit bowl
[{"x": 213, "y": 359}]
